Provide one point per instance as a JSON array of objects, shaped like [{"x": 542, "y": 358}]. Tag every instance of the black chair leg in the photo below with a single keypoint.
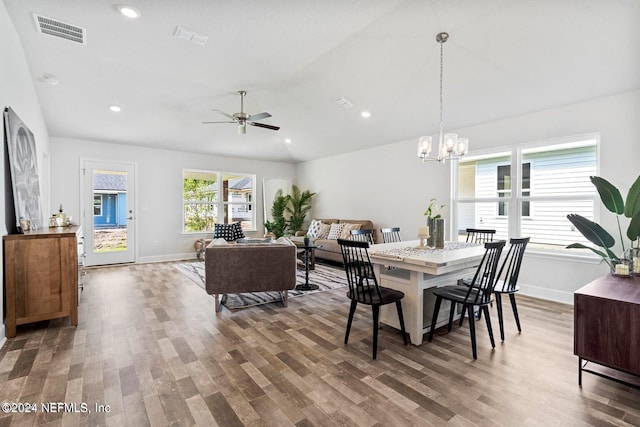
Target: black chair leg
[
  {"x": 436, "y": 310},
  {"x": 401, "y": 320},
  {"x": 472, "y": 330},
  {"x": 352, "y": 310},
  {"x": 512, "y": 297},
  {"x": 489, "y": 328},
  {"x": 376, "y": 319},
  {"x": 500, "y": 319},
  {"x": 451, "y": 312}
]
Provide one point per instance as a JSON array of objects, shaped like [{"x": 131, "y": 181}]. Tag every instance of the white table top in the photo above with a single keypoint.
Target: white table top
[{"x": 435, "y": 261}]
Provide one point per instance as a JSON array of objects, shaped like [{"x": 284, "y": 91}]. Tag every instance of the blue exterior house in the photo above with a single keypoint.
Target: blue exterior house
[{"x": 109, "y": 200}]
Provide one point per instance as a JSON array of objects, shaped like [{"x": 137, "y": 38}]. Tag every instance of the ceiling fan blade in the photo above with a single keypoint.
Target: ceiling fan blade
[
  {"x": 262, "y": 125},
  {"x": 208, "y": 123},
  {"x": 259, "y": 116},
  {"x": 223, "y": 113}
]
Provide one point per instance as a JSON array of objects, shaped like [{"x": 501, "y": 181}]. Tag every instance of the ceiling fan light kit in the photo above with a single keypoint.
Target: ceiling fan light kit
[
  {"x": 242, "y": 118},
  {"x": 450, "y": 147}
]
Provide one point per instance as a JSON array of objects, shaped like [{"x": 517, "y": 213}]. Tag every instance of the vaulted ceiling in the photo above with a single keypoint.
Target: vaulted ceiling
[{"x": 296, "y": 58}]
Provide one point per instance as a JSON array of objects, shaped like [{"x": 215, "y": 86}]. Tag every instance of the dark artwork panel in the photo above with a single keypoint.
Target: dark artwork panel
[{"x": 24, "y": 172}]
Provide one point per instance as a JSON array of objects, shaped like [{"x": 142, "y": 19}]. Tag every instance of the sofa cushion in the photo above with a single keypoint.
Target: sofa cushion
[
  {"x": 335, "y": 231},
  {"x": 346, "y": 230},
  {"x": 228, "y": 232},
  {"x": 319, "y": 229}
]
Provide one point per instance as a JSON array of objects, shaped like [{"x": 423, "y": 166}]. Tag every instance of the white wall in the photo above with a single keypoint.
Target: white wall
[
  {"x": 17, "y": 91},
  {"x": 158, "y": 189},
  {"x": 390, "y": 186}
]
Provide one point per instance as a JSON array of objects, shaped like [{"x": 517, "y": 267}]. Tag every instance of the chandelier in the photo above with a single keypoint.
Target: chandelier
[{"x": 450, "y": 147}]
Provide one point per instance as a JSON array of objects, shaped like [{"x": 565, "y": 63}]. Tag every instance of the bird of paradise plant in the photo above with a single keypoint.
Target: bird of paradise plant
[{"x": 612, "y": 199}]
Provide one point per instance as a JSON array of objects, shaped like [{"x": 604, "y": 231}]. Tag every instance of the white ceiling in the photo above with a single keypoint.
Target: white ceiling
[{"x": 295, "y": 57}]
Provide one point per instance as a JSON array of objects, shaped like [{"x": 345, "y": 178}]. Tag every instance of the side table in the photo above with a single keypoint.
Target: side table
[{"x": 307, "y": 255}]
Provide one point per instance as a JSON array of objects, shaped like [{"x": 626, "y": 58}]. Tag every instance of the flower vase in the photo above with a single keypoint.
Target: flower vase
[
  {"x": 439, "y": 232},
  {"x": 431, "y": 240},
  {"x": 634, "y": 256},
  {"x": 436, "y": 233}
]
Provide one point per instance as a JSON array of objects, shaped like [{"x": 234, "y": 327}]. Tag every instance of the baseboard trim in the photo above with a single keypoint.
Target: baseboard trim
[
  {"x": 3, "y": 341},
  {"x": 563, "y": 297},
  {"x": 166, "y": 258}
]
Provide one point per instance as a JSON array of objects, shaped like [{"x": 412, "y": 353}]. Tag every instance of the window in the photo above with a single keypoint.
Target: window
[
  {"x": 97, "y": 205},
  {"x": 217, "y": 197},
  {"x": 528, "y": 190},
  {"x": 504, "y": 187}
]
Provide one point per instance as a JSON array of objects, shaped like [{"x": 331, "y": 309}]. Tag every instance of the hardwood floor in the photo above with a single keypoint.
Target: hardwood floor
[{"x": 149, "y": 345}]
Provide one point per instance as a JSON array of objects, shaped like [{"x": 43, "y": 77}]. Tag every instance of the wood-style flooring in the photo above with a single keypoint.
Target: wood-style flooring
[{"x": 150, "y": 346}]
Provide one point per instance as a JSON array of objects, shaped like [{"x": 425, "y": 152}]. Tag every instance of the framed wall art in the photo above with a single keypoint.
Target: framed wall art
[{"x": 25, "y": 183}]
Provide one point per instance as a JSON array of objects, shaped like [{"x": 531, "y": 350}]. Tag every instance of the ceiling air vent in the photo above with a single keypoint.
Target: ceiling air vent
[{"x": 60, "y": 29}]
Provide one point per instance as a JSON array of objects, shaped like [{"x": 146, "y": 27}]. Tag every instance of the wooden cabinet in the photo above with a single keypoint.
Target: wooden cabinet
[
  {"x": 607, "y": 328},
  {"x": 41, "y": 276}
]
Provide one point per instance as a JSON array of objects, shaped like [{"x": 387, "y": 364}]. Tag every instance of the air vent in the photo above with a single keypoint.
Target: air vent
[{"x": 60, "y": 29}]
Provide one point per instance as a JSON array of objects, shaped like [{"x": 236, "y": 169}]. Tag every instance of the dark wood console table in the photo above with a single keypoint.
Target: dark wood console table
[{"x": 607, "y": 329}]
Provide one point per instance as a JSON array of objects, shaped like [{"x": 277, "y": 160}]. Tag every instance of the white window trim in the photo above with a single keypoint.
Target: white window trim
[
  {"x": 219, "y": 200},
  {"x": 515, "y": 208}
]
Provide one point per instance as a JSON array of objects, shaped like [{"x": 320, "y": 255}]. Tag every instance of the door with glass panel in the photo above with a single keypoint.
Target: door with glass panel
[{"x": 108, "y": 199}]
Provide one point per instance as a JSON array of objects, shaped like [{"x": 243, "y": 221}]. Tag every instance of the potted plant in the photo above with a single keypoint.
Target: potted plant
[
  {"x": 279, "y": 224},
  {"x": 297, "y": 207},
  {"x": 435, "y": 223},
  {"x": 612, "y": 199}
]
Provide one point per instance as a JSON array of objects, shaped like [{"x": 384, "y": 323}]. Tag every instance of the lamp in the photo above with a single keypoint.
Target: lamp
[{"x": 450, "y": 147}]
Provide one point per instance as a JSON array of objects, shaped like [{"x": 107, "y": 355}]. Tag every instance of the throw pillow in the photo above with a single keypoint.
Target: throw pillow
[
  {"x": 324, "y": 231},
  {"x": 318, "y": 229},
  {"x": 314, "y": 227},
  {"x": 335, "y": 231},
  {"x": 346, "y": 230},
  {"x": 228, "y": 232}
]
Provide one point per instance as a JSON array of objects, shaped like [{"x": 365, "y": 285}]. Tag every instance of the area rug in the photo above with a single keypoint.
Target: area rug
[{"x": 326, "y": 277}]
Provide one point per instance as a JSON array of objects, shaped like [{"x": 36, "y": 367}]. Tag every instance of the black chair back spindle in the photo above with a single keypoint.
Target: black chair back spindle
[
  {"x": 390, "y": 235},
  {"x": 364, "y": 235},
  {"x": 479, "y": 235}
]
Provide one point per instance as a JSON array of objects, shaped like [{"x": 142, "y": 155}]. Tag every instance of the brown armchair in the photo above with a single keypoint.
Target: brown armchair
[{"x": 237, "y": 268}]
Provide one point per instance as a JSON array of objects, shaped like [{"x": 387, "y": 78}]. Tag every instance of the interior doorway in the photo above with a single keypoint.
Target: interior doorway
[{"x": 108, "y": 200}]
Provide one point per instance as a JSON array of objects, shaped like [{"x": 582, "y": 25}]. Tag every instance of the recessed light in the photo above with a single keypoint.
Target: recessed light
[
  {"x": 115, "y": 108},
  {"x": 287, "y": 140},
  {"x": 365, "y": 114},
  {"x": 128, "y": 11}
]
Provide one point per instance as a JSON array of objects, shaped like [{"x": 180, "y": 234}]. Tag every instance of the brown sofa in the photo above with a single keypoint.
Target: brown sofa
[
  {"x": 329, "y": 249},
  {"x": 247, "y": 267}
]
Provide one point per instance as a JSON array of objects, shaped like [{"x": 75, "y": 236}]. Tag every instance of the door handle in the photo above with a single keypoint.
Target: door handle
[{"x": 130, "y": 217}]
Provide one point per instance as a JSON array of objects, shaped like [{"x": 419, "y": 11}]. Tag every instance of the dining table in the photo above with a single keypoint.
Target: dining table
[{"x": 418, "y": 270}]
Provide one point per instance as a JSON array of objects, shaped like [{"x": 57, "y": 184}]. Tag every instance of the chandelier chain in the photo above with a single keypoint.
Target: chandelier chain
[{"x": 441, "y": 82}]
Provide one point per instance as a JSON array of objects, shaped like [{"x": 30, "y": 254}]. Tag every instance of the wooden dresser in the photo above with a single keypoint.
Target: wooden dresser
[
  {"x": 41, "y": 276},
  {"x": 607, "y": 329}
]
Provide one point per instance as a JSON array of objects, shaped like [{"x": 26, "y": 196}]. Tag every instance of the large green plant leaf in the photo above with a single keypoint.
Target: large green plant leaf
[
  {"x": 604, "y": 256},
  {"x": 609, "y": 194},
  {"x": 592, "y": 231},
  {"x": 633, "y": 232},
  {"x": 632, "y": 205}
]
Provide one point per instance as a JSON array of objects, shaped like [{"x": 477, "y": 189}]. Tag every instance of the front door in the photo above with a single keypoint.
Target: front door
[{"x": 108, "y": 200}]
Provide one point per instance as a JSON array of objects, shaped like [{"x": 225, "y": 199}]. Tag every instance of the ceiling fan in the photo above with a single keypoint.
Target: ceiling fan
[{"x": 242, "y": 118}]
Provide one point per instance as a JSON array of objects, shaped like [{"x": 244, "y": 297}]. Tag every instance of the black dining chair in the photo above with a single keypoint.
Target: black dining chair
[
  {"x": 390, "y": 235},
  {"x": 509, "y": 285},
  {"x": 365, "y": 235},
  {"x": 478, "y": 294},
  {"x": 479, "y": 235},
  {"x": 364, "y": 288}
]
